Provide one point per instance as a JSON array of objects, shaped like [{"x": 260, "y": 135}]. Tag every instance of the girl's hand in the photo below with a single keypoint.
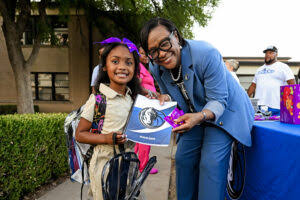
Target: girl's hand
[
  {"x": 190, "y": 120},
  {"x": 163, "y": 98},
  {"x": 120, "y": 138}
]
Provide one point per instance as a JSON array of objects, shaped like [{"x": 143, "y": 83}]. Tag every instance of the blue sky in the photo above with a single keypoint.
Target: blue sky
[{"x": 246, "y": 27}]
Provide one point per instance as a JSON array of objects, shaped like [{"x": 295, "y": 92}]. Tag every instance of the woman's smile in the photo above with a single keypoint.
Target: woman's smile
[{"x": 167, "y": 59}]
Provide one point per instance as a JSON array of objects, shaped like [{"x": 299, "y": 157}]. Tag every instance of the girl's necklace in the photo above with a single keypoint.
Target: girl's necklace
[{"x": 179, "y": 74}]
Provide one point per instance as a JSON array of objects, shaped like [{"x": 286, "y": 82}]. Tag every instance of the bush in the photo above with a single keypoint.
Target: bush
[
  {"x": 32, "y": 152},
  {"x": 12, "y": 109}
]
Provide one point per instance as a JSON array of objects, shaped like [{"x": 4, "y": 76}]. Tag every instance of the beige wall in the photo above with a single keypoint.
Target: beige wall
[
  {"x": 79, "y": 61},
  {"x": 73, "y": 59},
  {"x": 247, "y": 70},
  {"x": 249, "y": 65},
  {"x": 7, "y": 84},
  {"x": 50, "y": 59}
]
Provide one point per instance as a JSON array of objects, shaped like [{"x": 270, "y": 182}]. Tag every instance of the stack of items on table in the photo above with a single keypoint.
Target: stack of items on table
[{"x": 289, "y": 106}]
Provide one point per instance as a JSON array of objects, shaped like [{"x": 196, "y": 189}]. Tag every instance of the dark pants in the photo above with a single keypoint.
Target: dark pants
[{"x": 202, "y": 160}]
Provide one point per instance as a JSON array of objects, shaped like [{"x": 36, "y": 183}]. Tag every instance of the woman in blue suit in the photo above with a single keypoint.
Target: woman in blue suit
[{"x": 217, "y": 108}]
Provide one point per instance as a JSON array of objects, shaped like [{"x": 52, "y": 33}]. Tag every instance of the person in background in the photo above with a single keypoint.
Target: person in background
[
  {"x": 96, "y": 71},
  {"x": 193, "y": 74},
  {"x": 147, "y": 82},
  {"x": 233, "y": 65},
  {"x": 268, "y": 79}
]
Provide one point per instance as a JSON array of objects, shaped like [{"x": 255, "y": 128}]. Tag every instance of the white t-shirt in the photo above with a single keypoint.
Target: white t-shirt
[
  {"x": 94, "y": 75},
  {"x": 268, "y": 79},
  {"x": 235, "y": 76}
]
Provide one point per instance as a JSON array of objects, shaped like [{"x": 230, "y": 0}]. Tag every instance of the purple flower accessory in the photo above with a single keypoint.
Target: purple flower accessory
[
  {"x": 131, "y": 46},
  {"x": 174, "y": 115}
]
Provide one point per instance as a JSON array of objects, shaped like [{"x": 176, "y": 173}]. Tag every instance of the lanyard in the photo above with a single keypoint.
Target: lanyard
[{"x": 185, "y": 95}]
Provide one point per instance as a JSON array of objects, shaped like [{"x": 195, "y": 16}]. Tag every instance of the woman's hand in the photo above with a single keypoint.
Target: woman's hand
[
  {"x": 163, "y": 98},
  {"x": 149, "y": 94},
  {"x": 120, "y": 138},
  {"x": 189, "y": 121},
  {"x": 152, "y": 95},
  {"x": 156, "y": 95}
]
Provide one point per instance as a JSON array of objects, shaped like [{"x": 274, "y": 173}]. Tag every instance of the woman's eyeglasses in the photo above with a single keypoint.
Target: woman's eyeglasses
[{"x": 165, "y": 45}]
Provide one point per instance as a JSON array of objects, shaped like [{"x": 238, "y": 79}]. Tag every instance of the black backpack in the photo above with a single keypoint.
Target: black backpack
[{"x": 120, "y": 180}]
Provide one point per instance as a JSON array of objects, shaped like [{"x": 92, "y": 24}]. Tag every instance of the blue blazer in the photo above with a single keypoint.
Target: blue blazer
[{"x": 210, "y": 86}]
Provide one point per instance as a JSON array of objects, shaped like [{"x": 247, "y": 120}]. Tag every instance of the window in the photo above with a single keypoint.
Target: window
[
  {"x": 50, "y": 86},
  {"x": 58, "y": 36}
]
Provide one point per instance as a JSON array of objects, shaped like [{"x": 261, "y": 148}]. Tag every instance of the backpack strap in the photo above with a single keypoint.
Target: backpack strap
[
  {"x": 99, "y": 116},
  {"x": 97, "y": 124},
  {"x": 99, "y": 113}
]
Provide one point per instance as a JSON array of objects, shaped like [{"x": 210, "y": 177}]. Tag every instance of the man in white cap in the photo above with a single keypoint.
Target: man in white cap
[{"x": 268, "y": 79}]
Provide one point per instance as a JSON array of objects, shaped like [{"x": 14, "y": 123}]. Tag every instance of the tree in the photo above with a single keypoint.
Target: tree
[
  {"x": 128, "y": 16},
  {"x": 16, "y": 15},
  {"x": 121, "y": 16}
]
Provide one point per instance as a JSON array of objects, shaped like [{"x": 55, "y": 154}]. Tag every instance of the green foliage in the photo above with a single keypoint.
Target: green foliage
[
  {"x": 12, "y": 109},
  {"x": 32, "y": 151},
  {"x": 128, "y": 16}
]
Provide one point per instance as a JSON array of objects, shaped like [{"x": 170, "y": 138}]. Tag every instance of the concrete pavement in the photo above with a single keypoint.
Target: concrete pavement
[{"x": 156, "y": 186}]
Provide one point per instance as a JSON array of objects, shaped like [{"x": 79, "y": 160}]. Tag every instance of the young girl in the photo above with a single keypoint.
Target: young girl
[{"x": 118, "y": 81}]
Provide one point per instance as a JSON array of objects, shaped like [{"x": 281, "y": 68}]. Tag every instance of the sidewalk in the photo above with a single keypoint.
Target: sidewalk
[{"x": 156, "y": 186}]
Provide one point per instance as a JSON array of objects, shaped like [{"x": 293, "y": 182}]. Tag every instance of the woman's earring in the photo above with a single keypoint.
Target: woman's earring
[{"x": 180, "y": 47}]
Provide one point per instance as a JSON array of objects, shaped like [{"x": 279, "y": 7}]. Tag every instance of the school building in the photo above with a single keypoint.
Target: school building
[{"x": 62, "y": 72}]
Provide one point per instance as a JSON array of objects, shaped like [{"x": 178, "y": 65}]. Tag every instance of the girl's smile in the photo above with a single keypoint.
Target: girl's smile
[{"x": 122, "y": 75}]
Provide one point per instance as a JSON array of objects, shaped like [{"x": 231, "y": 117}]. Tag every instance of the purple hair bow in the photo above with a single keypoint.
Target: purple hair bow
[{"x": 131, "y": 46}]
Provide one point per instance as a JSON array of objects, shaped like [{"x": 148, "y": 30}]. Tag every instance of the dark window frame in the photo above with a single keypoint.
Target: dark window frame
[
  {"x": 59, "y": 27},
  {"x": 53, "y": 87}
]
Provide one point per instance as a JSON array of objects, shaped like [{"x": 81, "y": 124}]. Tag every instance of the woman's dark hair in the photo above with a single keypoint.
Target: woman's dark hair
[
  {"x": 102, "y": 77},
  {"x": 151, "y": 24}
]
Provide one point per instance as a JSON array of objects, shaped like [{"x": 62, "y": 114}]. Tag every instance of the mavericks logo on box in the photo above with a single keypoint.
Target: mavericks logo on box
[{"x": 151, "y": 118}]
